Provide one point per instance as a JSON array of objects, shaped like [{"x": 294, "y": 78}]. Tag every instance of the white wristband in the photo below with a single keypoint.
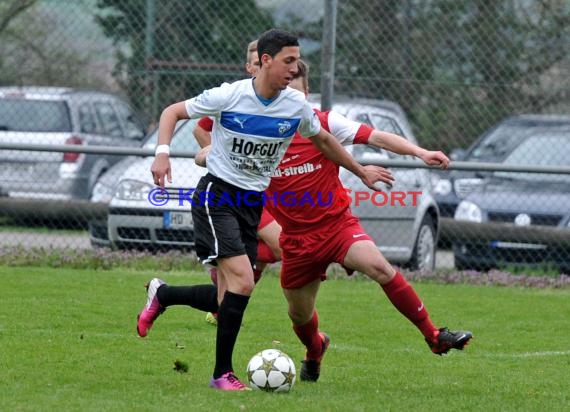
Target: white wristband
[{"x": 162, "y": 148}]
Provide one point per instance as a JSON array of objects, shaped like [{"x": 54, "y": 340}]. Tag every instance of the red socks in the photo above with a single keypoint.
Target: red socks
[
  {"x": 309, "y": 335},
  {"x": 405, "y": 299}
]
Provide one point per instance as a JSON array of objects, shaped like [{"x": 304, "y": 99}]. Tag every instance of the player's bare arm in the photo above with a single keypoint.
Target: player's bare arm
[
  {"x": 203, "y": 136},
  {"x": 161, "y": 166},
  {"x": 334, "y": 151},
  {"x": 397, "y": 144}
]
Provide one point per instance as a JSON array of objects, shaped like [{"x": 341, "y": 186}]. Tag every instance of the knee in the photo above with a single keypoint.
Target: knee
[
  {"x": 299, "y": 316},
  {"x": 381, "y": 273}
]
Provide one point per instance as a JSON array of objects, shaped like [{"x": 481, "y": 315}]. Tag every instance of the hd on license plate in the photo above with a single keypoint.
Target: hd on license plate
[{"x": 174, "y": 220}]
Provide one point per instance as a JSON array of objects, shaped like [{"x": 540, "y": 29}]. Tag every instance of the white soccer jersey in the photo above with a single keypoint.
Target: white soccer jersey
[{"x": 248, "y": 137}]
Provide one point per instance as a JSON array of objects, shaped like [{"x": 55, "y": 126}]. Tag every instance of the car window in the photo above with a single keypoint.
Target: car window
[
  {"x": 540, "y": 150},
  {"x": 133, "y": 127},
  {"x": 383, "y": 123},
  {"x": 183, "y": 137},
  {"x": 22, "y": 115},
  {"x": 87, "y": 122},
  {"x": 108, "y": 118}
]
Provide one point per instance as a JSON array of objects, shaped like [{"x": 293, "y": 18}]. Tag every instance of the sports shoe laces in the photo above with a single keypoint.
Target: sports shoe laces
[{"x": 234, "y": 381}]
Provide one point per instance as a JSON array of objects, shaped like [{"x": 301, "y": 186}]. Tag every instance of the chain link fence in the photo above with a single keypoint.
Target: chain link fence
[{"x": 485, "y": 81}]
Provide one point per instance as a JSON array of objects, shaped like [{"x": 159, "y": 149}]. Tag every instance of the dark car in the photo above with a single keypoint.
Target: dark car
[
  {"x": 57, "y": 116},
  {"x": 450, "y": 187},
  {"x": 519, "y": 219}
]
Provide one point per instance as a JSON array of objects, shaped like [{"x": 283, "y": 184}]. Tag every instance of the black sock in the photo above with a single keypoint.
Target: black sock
[
  {"x": 230, "y": 315},
  {"x": 201, "y": 297}
]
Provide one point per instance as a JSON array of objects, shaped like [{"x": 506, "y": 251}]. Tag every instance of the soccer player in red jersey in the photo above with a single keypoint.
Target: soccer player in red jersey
[{"x": 316, "y": 235}]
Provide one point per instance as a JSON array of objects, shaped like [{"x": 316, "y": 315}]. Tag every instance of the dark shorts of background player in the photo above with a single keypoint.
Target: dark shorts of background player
[
  {"x": 306, "y": 257},
  {"x": 222, "y": 229}
]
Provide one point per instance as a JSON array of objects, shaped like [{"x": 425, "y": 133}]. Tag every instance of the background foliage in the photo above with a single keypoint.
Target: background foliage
[{"x": 456, "y": 66}]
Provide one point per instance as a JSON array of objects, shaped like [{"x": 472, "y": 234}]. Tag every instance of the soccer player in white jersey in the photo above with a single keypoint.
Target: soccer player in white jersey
[{"x": 254, "y": 122}]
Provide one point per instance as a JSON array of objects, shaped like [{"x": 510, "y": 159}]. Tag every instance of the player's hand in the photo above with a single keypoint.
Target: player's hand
[
  {"x": 160, "y": 169},
  {"x": 433, "y": 158},
  {"x": 201, "y": 156},
  {"x": 374, "y": 174}
]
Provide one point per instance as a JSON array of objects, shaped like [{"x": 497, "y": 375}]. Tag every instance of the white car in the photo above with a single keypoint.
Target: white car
[
  {"x": 406, "y": 232},
  {"x": 140, "y": 214}
]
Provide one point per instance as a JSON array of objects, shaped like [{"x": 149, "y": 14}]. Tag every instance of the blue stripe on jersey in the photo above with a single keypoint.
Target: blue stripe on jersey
[{"x": 256, "y": 125}]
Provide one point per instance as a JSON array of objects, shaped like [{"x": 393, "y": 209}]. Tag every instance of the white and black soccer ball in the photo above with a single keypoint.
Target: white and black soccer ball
[{"x": 271, "y": 370}]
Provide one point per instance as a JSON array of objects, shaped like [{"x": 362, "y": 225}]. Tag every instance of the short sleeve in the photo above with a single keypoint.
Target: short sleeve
[
  {"x": 310, "y": 124},
  {"x": 209, "y": 102},
  {"x": 206, "y": 123}
]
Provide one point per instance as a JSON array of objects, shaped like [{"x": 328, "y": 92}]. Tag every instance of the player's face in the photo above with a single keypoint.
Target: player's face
[
  {"x": 253, "y": 66},
  {"x": 283, "y": 66}
]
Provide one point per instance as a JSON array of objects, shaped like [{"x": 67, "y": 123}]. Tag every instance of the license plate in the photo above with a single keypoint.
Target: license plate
[{"x": 176, "y": 220}]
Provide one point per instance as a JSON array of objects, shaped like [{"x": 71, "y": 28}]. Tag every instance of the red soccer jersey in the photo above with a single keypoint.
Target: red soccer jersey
[{"x": 303, "y": 192}]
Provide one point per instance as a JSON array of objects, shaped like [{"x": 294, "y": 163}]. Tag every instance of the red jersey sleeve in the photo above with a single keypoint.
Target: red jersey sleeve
[{"x": 206, "y": 123}]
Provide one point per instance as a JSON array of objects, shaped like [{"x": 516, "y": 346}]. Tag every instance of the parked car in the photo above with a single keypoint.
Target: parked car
[
  {"x": 49, "y": 115},
  {"x": 525, "y": 217},
  {"x": 450, "y": 187},
  {"x": 133, "y": 221},
  {"x": 407, "y": 235}
]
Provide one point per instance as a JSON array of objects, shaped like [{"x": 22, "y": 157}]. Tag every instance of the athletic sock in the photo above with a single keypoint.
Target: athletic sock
[
  {"x": 201, "y": 297},
  {"x": 230, "y": 315},
  {"x": 405, "y": 299},
  {"x": 309, "y": 335}
]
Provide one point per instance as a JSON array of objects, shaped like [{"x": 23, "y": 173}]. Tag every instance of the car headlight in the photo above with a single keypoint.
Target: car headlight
[
  {"x": 469, "y": 212},
  {"x": 102, "y": 193},
  {"x": 440, "y": 185},
  {"x": 463, "y": 187},
  {"x": 132, "y": 190}
]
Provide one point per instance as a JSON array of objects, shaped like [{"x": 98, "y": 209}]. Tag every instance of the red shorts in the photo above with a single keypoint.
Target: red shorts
[
  {"x": 306, "y": 257},
  {"x": 266, "y": 218}
]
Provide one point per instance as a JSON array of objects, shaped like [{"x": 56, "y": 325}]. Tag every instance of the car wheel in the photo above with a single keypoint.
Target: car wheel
[{"x": 423, "y": 256}]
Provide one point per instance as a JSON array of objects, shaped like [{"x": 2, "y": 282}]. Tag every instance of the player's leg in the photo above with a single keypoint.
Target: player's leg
[
  {"x": 269, "y": 231},
  {"x": 160, "y": 296},
  {"x": 268, "y": 249},
  {"x": 363, "y": 255},
  {"x": 301, "y": 276},
  {"x": 226, "y": 234}
]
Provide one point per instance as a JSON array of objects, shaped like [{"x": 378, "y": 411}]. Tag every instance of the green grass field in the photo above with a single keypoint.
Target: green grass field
[{"x": 68, "y": 343}]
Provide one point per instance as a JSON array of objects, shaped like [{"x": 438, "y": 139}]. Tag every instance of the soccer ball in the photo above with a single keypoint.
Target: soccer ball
[{"x": 271, "y": 370}]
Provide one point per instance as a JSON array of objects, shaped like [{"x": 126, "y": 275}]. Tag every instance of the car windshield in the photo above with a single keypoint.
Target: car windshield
[
  {"x": 504, "y": 138},
  {"x": 540, "y": 150},
  {"x": 183, "y": 137},
  {"x": 20, "y": 115}
]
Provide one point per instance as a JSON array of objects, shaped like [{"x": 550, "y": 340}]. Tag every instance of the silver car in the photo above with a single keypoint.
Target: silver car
[
  {"x": 50, "y": 115},
  {"x": 405, "y": 231},
  {"x": 404, "y": 220}
]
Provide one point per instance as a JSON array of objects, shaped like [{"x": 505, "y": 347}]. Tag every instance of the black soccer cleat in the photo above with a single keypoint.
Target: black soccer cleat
[
  {"x": 447, "y": 340},
  {"x": 311, "y": 368}
]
